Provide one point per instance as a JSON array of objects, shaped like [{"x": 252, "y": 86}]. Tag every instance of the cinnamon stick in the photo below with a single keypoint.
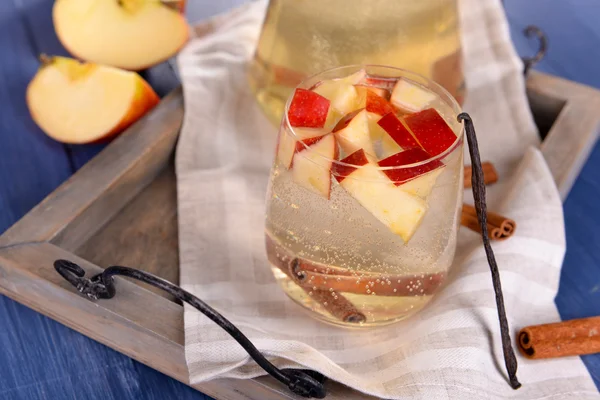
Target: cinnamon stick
[
  {"x": 499, "y": 227},
  {"x": 338, "y": 306},
  {"x": 489, "y": 174},
  {"x": 325, "y": 284},
  {"x": 567, "y": 338}
]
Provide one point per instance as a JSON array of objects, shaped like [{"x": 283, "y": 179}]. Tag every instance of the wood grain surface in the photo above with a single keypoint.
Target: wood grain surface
[
  {"x": 43, "y": 359},
  {"x": 142, "y": 235}
]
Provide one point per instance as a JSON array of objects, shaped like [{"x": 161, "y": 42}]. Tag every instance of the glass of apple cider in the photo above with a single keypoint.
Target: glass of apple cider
[
  {"x": 302, "y": 37},
  {"x": 365, "y": 193}
]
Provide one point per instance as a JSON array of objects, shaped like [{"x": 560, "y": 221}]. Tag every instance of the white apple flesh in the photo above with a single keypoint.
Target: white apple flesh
[
  {"x": 311, "y": 167},
  {"x": 410, "y": 97},
  {"x": 400, "y": 211},
  {"x": 75, "y": 102},
  {"x": 352, "y": 133},
  {"x": 129, "y": 34}
]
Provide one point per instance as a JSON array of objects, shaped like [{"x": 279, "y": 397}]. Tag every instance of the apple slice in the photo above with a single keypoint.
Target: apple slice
[
  {"x": 400, "y": 211},
  {"x": 352, "y": 133},
  {"x": 311, "y": 167},
  {"x": 75, "y": 102},
  {"x": 308, "y": 109},
  {"x": 397, "y": 131},
  {"x": 129, "y": 34},
  {"x": 289, "y": 143},
  {"x": 411, "y": 97},
  {"x": 431, "y": 130}
]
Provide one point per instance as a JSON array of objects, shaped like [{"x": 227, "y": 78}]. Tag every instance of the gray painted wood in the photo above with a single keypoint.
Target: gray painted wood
[
  {"x": 574, "y": 130},
  {"x": 120, "y": 209}
]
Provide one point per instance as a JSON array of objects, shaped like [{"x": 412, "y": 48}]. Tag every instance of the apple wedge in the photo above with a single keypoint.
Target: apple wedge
[
  {"x": 431, "y": 130},
  {"x": 311, "y": 166},
  {"x": 308, "y": 109},
  {"x": 372, "y": 102},
  {"x": 129, "y": 34},
  {"x": 352, "y": 133},
  {"x": 75, "y": 102},
  {"x": 410, "y": 97},
  {"x": 289, "y": 143},
  {"x": 400, "y": 211}
]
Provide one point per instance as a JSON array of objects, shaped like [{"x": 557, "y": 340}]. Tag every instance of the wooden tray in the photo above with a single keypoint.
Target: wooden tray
[{"x": 120, "y": 208}]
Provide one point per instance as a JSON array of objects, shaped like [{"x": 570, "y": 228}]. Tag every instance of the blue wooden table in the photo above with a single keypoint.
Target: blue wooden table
[{"x": 41, "y": 359}]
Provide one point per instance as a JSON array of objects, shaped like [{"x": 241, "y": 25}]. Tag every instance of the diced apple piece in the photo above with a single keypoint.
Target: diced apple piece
[
  {"x": 308, "y": 109},
  {"x": 410, "y": 97},
  {"x": 288, "y": 142},
  {"x": 342, "y": 95},
  {"x": 383, "y": 143},
  {"x": 401, "y": 212},
  {"x": 381, "y": 92},
  {"x": 397, "y": 131},
  {"x": 431, "y": 130},
  {"x": 403, "y": 174},
  {"x": 380, "y": 82},
  {"x": 423, "y": 185},
  {"x": 372, "y": 102},
  {"x": 352, "y": 133},
  {"x": 75, "y": 102},
  {"x": 129, "y": 34},
  {"x": 311, "y": 167}
]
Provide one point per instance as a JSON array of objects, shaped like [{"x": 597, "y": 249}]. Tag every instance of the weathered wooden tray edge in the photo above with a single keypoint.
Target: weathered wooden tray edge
[{"x": 154, "y": 335}]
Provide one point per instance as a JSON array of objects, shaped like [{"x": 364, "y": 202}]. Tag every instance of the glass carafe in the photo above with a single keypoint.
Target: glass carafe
[{"x": 302, "y": 37}]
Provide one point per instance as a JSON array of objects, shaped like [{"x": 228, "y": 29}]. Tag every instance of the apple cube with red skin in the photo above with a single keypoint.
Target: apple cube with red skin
[
  {"x": 311, "y": 166},
  {"x": 410, "y": 97},
  {"x": 407, "y": 157},
  {"x": 380, "y": 82},
  {"x": 372, "y": 102},
  {"x": 400, "y": 211},
  {"x": 289, "y": 143},
  {"x": 431, "y": 130},
  {"x": 381, "y": 92},
  {"x": 308, "y": 109},
  {"x": 352, "y": 133},
  {"x": 397, "y": 131},
  {"x": 341, "y": 92},
  {"x": 418, "y": 180}
]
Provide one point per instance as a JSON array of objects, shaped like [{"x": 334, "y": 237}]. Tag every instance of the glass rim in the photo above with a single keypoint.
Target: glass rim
[{"x": 453, "y": 104}]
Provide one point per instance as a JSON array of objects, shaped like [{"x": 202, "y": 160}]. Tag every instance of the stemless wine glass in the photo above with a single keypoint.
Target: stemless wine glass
[{"x": 365, "y": 193}]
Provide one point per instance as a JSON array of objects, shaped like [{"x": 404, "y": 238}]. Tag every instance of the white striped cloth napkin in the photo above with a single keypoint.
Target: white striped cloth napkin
[{"x": 449, "y": 350}]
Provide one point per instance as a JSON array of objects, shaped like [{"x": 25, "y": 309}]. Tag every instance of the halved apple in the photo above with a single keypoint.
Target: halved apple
[
  {"x": 352, "y": 133},
  {"x": 400, "y": 211},
  {"x": 431, "y": 130},
  {"x": 311, "y": 166},
  {"x": 308, "y": 109},
  {"x": 75, "y": 102},
  {"x": 410, "y": 97},
  {"x": 289, "y": 142},
  {"x": 130, "y": 34}
]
